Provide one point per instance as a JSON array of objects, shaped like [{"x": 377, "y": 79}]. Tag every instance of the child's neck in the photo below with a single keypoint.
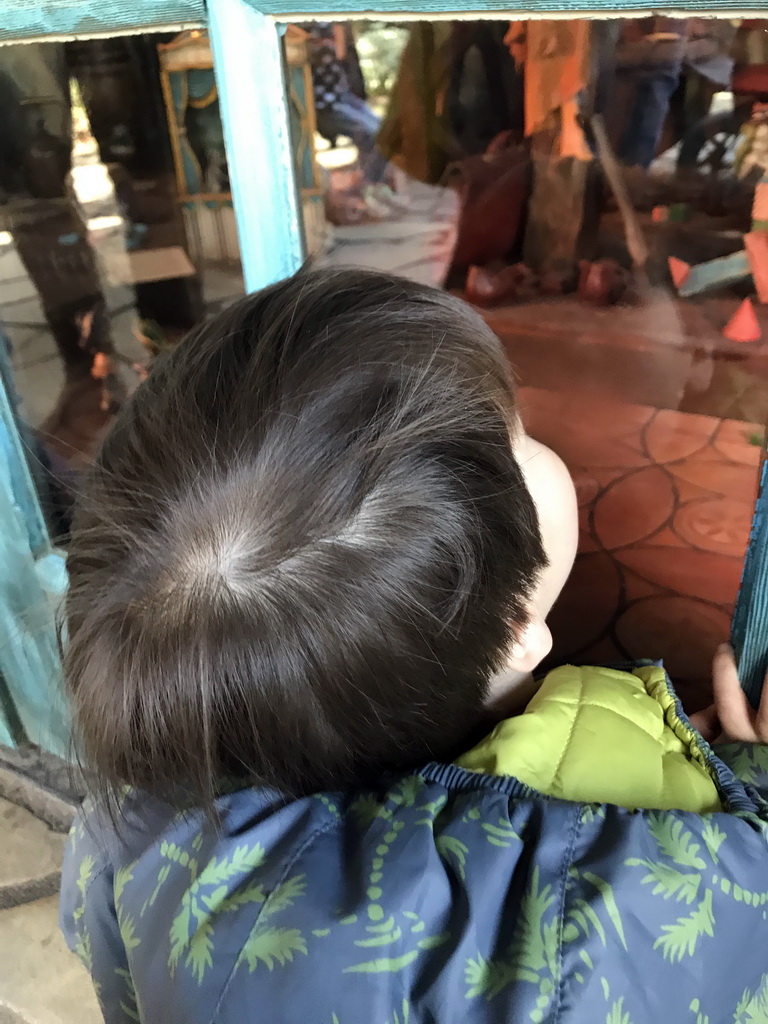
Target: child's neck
[{"x": 510, "y": 693}]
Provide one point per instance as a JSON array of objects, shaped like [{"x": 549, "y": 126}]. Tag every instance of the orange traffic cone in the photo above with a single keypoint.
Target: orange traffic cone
[
  {"x": 679, "y": 271},
  {"x": 743, "y": 325}
]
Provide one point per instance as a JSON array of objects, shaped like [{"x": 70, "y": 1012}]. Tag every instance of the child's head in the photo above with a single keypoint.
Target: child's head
[{"x": 306, "y": 546}]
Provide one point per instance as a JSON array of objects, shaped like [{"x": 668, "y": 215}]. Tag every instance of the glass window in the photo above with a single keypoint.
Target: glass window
[
  {"x": 117, "y": 233},
  {"x": 599, "y": 190}
]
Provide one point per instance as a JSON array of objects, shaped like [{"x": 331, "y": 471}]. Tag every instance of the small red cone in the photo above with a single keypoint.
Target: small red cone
[
  {"x": 679, "y": 270},
  {"x": 743, "y": 325}
]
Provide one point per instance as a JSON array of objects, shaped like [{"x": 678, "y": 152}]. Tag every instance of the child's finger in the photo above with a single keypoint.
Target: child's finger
[
  {"x": 707, "y": 723},
  {"x": 736, "y": 716}
]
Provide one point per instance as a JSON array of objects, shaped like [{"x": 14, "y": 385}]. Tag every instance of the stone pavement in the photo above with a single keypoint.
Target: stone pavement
[{"x": 41, "y": 982}]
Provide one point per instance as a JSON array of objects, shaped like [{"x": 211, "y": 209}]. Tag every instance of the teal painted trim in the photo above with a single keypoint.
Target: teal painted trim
[
  {"x": 30, "y": 666},
  {"x": 11, "y": 733},
  {"x": 13, "y": 438},
  {"x": 716, "y": 274},
  {"x": 32, "y": 581},
  {"x": 749, "y": 632},
  {"x": 25, "y": 19},
  {"x": 608, "y": 8},
  {"x": 254, "y": 111}
]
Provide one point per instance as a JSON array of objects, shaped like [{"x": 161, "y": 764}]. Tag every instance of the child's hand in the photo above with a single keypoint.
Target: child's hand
[{"x": 731, "y": 718}]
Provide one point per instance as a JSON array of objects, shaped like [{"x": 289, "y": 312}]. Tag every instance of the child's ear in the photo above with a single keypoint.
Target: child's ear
[{"x": 532, "y": 644}]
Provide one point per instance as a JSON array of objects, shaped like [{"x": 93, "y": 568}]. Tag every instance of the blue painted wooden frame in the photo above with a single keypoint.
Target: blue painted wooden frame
[
  {"x": 248, "y": 62},
  {"x": 32, "y": 581}
]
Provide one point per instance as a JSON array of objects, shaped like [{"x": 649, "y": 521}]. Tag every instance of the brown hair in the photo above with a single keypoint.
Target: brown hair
[{"x": 304, "y": 546}]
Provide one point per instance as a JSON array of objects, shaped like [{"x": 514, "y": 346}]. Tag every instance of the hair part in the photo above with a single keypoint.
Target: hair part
[{"x": 303, "y": 548}]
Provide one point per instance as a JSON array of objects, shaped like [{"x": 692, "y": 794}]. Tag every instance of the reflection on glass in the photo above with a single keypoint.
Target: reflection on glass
[
  {"x": 595, "y": 187},
  {"x": 101, "y": 265}
]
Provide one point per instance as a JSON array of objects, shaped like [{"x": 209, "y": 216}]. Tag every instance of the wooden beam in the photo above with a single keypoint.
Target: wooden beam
[{"x": 69, "y": 19}]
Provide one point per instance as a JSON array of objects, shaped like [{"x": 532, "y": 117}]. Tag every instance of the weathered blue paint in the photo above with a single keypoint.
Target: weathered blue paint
[
  {"x": 26, "y": 19},
  {"x": 31, "y": 582},
  {"x": 499, "y": 8},
  {"x": 749, "y": 634},
  {"x": 249, "y": 70}
]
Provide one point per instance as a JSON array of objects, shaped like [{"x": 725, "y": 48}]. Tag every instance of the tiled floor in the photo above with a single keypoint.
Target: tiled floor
[
  {"x": 664, "y": 352},
  {"x": 665, "y": 504}
]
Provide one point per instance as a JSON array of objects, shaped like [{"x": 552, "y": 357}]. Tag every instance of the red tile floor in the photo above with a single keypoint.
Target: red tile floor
[{"x": 665, "y": 503}]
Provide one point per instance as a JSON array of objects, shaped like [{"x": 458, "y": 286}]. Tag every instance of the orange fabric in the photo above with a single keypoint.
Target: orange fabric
[
  {"x": 760, "y": 202},
  {"x": 572, "y": 141},
  {"x": 516, "y": 41},
  {"x": 556, "y": 69}
]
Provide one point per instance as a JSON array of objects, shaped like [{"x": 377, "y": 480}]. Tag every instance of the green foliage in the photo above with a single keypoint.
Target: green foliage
[
  {"x": 617, "y": 1014},
  {"x": 606, "y": 891},
  {"x": 502, "y": 834},
  {"x": 753, "y": 1006},
  {"x": 384, "y": 965},
  {"x": 680, "y": 939},
  {"x": 452, "y": 849},
  {"x": 242, "y": 860},
  {"x": 124, "y": 921},
  {"x": 407, "y": 791},
  {"x": 239, "y": 898},
  {"x": 84, "y": 950},
  {"x": 84, "y": 875},
  {"x": 284, "y": 896},
  {"x": 366, "y": 808},
  {"x": 591, "y": 813},
  {"x": 271, "y": 946},
  {"x": 695, "y": 1007},
  {"x": 675, "y": 841},
  {"x": 192, "y": 931},
  {"x": 532, "y": 955},
  {"x": 122, "y": 878},
  {"x": 713, "y": 837},
  {"x": 432, "y": 809},
  {"x": 379, "y": 45},
  {"x": 128, "y": 1004},
  {"x": 668, "y": 882}
]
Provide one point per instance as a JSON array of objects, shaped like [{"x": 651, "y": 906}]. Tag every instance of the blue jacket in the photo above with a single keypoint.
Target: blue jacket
[{"x": 453, "y": 897}]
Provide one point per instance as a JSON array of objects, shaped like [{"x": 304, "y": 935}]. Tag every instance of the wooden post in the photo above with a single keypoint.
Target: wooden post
[
  {"x": 557, "y": 206},
  {"x": 557, "y": 71},
  {"x": 249, "y": 67}
]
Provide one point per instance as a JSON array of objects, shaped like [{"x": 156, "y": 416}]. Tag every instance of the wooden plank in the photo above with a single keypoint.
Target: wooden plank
[
  {"x": 636, "y": 243},
  {"x": 452, "y": 9},
  {"x": 716, "y": 274},
  {"x": 66, "y": 19}
]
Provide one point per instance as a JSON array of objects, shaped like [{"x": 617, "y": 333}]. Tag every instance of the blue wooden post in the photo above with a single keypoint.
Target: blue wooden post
[
  {"x": 249, "y": 70},
  {"x": 32, "y": 579}
]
